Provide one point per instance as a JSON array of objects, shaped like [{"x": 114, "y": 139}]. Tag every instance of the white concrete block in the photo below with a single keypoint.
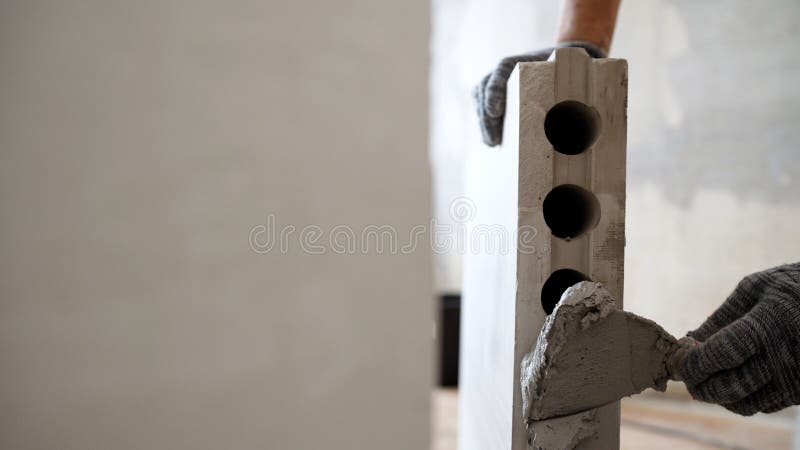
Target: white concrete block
[{"x": 558, "y": 186}]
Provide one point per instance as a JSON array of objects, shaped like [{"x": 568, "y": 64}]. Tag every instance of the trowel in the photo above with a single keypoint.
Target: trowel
[{"x": 590, "y": 353}]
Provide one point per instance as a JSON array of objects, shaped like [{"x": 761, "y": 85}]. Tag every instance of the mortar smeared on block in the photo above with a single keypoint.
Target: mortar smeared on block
[{"x": 589, "y": 353}]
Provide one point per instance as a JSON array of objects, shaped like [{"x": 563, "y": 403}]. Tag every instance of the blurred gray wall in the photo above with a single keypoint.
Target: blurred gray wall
[{"x": 141, "y": 144}]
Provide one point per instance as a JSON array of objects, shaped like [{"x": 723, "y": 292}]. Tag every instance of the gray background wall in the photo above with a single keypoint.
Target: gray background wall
[{"x": 140, "y": 144}]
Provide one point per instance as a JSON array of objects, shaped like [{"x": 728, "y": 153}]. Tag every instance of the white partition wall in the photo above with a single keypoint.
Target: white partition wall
[{"x": 146, "y": 149}]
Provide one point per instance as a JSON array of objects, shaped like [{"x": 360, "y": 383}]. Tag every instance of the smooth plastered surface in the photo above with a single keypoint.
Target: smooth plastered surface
[{"x": 147, "y": 301}]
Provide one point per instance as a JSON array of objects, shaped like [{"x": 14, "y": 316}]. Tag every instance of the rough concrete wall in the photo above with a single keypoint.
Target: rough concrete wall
[
  {"x": 140, "y": 143},
  {"x": 713, "y": 171},
  {"x": 713, "y": 161}
]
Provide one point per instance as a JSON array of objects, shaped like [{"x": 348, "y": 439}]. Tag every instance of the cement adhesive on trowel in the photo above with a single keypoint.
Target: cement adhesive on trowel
[{"x": 588, "y": 354}]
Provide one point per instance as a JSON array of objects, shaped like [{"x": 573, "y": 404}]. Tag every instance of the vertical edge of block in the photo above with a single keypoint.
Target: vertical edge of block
[
  {"x": 607, "y": 240},
  {"x": 533, "y": 254},
  {"x": 608, "y": 175}
]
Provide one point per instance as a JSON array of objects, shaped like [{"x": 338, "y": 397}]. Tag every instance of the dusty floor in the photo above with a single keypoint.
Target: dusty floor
[{"x": 656, "y": 423}]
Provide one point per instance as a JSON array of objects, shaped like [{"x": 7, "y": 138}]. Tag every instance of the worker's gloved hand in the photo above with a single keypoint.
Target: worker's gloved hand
[
  {"x": 747, "y": 357},
  {"x": 490, "y": 93}
]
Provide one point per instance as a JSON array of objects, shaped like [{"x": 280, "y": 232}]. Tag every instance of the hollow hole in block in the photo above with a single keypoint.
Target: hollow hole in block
[
  {"x": 554, "y": 287},
  {"x": 570, "y": 210},
  {"x": 572, "y": 127}
]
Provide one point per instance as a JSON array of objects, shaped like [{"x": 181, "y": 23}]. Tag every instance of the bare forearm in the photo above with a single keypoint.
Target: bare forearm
[{"x": 588, "y": 20}]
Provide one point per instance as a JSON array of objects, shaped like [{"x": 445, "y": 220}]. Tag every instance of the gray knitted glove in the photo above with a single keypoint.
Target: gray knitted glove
[
  {"x": 490, "y": 93},
  {"x": 747, "y": 358}
]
